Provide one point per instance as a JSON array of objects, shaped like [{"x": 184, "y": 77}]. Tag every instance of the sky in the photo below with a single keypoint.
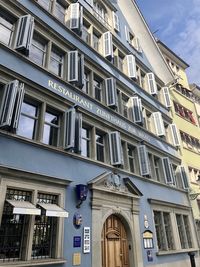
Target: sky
[{"x": 177, "y": 24}]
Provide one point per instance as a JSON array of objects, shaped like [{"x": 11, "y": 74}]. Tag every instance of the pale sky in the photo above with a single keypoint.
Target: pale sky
[{"x": 177, "y": 24}]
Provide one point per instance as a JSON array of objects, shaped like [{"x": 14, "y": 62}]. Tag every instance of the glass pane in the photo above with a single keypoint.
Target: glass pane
[
  {"x": 36, "y": 55},
  {"x": 100, "y": 153},
  {"x": 56, "y": 64},
  {"x": 29, "y": 109},
  {"x": 5, "y": 35},
  {"x": 45, "y": 4},
  {"x": 26, "y": 127},
  {"x": 59, "y": 12},
  {"x": 50, "y": 135},
  {"x": 51, "y": 118},
  {"x": 84, "y": 148}
]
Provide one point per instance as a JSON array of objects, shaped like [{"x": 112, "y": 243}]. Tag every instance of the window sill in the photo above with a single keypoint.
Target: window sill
[
  {"x": 170, "y": 252},
  {"x": 33, "y": 263}
]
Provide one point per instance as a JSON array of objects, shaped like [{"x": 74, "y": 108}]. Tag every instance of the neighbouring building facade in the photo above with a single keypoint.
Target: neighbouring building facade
[
  {"x": 90, "y": 173},
  {"x": 185, "y": 112}
]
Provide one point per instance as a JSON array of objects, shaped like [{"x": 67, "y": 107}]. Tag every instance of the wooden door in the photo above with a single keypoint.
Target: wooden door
[{"x": 114, "y": 243}]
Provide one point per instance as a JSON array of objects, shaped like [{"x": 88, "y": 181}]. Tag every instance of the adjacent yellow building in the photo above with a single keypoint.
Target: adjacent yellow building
[{"x": 185, "y": 111}]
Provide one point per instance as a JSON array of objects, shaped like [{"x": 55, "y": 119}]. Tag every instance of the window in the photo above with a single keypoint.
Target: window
[
  {"x": 163, "y": 230},
  {"x": 96, "y": 41},
  {"x": 44, "y": 235},
  {"x": 124, "y": 103},
  {"x": 85, "y": 32},
  {"x": 60, "y": 10},
  {"x": 131, "y": 158},
  {"x": 100, "y": 12},
  {"x": 98, "y": 84},
  {"x": 99, "y": 146},
  {"x": 157, "y": 168},
  {"x": 86, "y": 86},
  {"x": 56, "y": 61},
  {"x": 38, "y": 50},
  {"x": 45, "y": 4},
  {"x": 13, "y": 229},
  {"x": 85, "y": 142},
  {"x": 184, "y": 113},
  {"x": 28, "y": 120},
  {"x": 6, "y": 27},
  {"x": 184, "y": 231},
  {"x": 51, "y": 128}
]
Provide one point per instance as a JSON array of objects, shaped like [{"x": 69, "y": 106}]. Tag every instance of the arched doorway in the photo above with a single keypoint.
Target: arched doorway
[{"x": 114, "y": 243}]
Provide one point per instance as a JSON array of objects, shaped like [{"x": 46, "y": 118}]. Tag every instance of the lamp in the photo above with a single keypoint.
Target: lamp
[{"x": 81, "y": 192}]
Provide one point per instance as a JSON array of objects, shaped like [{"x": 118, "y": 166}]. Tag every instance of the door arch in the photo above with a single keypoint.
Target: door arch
[{"x": 114, "y": 243}]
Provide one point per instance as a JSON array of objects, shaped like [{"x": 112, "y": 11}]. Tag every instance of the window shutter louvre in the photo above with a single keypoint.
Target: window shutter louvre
[
  {"x": 18, "y": 106},
  {"x": 166, "y": 96},
  {"x": 131, "y": 66},
  {"x": 136, "y": 108},
  {"x": 116, "y": 156},
  {"x": 167, "y": 171},
  {"x": 111, "y": 92},
  {"x": 107, "y": 45},
  {"x": 116, "y": 22},
  {"x": 127, "y": 34},
  {"x": 76, "y": 17},
  {"x": 175, "y": 135},
  {"x": 143, "y": 160},
  {"x": 8, "y": 103},
  {"x": 78, "y": 132},
  {"x": 184, "y": 177},
  {"x": 24, "y": 34},
  {"x": 158, "y": 122},
  {"x": 73, "y": 66},
  {"x": 69, "y": 128},
  {"x": 151, "y": 83}
]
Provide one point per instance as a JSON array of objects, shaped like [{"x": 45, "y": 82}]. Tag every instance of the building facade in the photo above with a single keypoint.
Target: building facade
[
  {"x": 90, "y": 173},
  {"x": 185, "y": 112}
]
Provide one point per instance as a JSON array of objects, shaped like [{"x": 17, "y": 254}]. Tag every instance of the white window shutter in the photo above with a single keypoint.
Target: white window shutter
[
  {"x": 158, "y": 122},
  {"x": 167, "y": 171},
  {"x": 116, "y": 156},
  {"x": 24, "y": 34},
  {"x": 131, "y": 66},
  {"x": 73, "y": 66},
  {"x": 166, "y": 97},
  {"x": 116, "y": 22},
  {"x": 151, "y": 83},
  {"x": 111, "y": 92},
  {"x": 135, "y": 106},
  {"x": 107, "y": 45},
  {"x": 184, "y": 177},
  {"x": 8, "y": 103},
  {"x": 76, "y": 17},
  {"x": 143, "y": 160},
  {"x": 69, "y": 128},
  {"x": 78, "y": 132},
  {"x": 18, "y": 106},
  {"x": 175, "y": 135},
  {"x": 127, "y": 34}
]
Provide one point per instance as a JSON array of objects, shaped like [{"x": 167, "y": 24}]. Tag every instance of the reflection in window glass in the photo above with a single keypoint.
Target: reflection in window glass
[
  {"x": 99, "y": 147},
  {"x": 56, "y": 62},
  {"x": 38, "y": 50},
  {"x": 45, "y": 4},
  {"x": 59, "y": 11},
  {"x": 28, "y": 120},
  {"x": 85, "y": 142},
  {"x": 51, "y": 129}
]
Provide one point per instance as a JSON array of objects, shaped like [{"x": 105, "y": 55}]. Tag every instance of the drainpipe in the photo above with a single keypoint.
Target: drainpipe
[{"x": 192, "y": 259}]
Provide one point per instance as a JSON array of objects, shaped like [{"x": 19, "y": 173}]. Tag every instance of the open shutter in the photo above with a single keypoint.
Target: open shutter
[
  {"x": 136, "y": 108},
  {"x": 69, "y": 128},
  {"x": 184, "y": 177},
  {"x": 137, "y": 45},
  {"x": 73, "y": 66},
  {"x": 111, "y": 92},
  {"x": 76, "y": 17},
  {"x": 24, "y": 34},
  {"x": 166, "y": 97},
  {"x": 116, "y": 156},
  {"x": 107, "y": 45},
  {"x": 175, "y": 135},
  {"x": 78, "y": 132},
  {"x": 116, "y": 22},
  {"x": 169, "y": 178},
  {"x": 131, "y": 66},
  {"x": 80, "y": 71},
  {"x": 18, "y": 106},
  {"x": 158, "y": 122},
  {"x": 143, "y": 160},
  {"x": 151, "y": 83},
  {"x": 8, "y": 103},
  {"x": 127, "y": 33}
]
